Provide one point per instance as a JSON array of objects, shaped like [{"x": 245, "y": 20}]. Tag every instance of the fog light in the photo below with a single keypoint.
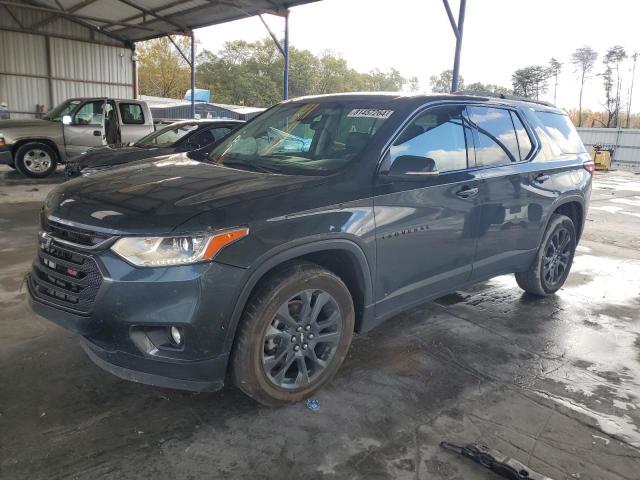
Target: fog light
[{"x": 176, "y": 336}]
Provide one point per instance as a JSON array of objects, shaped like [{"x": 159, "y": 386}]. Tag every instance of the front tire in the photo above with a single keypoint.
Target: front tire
[
  {"x": 36, "y": 160},
  {"x": 294, "y": 334},
  {"x": 552, "y": 264}
]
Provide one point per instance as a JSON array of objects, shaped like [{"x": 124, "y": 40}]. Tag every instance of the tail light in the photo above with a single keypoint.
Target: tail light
[{"x": 589, "y": 166}]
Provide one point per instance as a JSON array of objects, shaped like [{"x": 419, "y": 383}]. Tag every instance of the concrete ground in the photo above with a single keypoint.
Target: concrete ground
[{"x": 553, "y": 382}]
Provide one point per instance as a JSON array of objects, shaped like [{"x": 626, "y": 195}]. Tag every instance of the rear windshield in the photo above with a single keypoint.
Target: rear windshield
[
  {"x": 559, "y": 127},
  {"x": 167, "y": 137},
  {"x": 302, "y": 138}
]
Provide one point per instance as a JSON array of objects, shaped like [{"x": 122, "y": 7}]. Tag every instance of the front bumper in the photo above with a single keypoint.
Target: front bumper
[
  {"x": 125, "y": 322},
  {"x": 6, "y": 158}
]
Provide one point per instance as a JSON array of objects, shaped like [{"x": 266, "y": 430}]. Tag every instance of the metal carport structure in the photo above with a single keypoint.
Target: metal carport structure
[{"x": 121, "y": 23}]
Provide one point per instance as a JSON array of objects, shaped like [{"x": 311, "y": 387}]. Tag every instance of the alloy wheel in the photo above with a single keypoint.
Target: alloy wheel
[
  {"x": 557, "y": 255},
  {"x": 301, "y": 339},
  {"x": 37, "y": 161}
]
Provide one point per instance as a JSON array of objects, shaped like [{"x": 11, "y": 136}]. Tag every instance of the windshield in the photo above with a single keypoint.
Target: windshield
[
  {"x": 302, "y": 138},
  {"x": 166, "y": 137},
  {"x": 65, "y": 108}
]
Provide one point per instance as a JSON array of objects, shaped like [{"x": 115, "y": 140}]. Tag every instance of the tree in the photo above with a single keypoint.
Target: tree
[
  {"x": 634, "y": 59},
  {"x": 612, "y": 81},
  {"x": 442, "y": 83},
  {"x": 584, "y": 59},
  {"x": 555, "y": 67},
  {"x": 251, "y": 74},
  {"x": 162, "y": 71},
  {"x": 530, "y": 81},
  {"x": 488, "y": 87}
]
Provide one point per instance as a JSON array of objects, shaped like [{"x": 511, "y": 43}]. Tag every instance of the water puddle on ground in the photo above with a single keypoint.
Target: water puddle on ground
[{"x": 596, "y": 332}]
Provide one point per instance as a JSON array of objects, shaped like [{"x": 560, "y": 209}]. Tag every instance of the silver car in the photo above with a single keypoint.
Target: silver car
[{"x": 35, "y": 147}]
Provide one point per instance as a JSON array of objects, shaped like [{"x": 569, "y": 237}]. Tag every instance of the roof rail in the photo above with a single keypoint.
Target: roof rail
[{"x": 486, "y": 93}]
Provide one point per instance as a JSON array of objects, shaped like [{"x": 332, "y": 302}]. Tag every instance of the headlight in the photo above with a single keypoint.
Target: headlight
[
  {"x": 179, "y": 250},
  {"x": 2, "y": 141}
]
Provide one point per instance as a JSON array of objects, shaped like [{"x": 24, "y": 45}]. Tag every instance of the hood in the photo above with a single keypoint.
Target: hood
[
  {"x": 29, "y": 122},
  {"x": 117, "y": 155},
  {"x": 16, "y": 129},
  {"x": 158, "y": 196}
]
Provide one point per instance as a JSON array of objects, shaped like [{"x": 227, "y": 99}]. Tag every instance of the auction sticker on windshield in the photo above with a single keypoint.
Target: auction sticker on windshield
[{"x": 370, "y": 113}]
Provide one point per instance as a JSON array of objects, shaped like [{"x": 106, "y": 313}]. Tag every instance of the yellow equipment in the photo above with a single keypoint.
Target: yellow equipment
[{"x": 602, "y": 158}]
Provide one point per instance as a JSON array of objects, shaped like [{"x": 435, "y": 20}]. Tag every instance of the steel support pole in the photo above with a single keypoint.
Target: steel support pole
[
  {"x": 285, "y": 90},
  {"x": 456, "y": 60},
  {"x": 193, "y": 75}
]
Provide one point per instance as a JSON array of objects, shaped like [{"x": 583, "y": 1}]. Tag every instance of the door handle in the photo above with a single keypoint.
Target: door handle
[
  {"x": 543, "y": 177},
  {"x": 97, "y": 133},
  {"x": 467, "y": 192}
]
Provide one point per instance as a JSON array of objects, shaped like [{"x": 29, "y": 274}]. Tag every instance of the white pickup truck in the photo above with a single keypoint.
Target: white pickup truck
[{"x": 35, "y": 147}]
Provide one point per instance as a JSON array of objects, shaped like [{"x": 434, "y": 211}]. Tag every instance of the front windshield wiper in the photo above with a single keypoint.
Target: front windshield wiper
[{"x": 253, "y": 166}]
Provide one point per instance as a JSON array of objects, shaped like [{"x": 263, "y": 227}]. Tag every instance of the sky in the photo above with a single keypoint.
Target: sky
[{"x": 415, "y": 37}]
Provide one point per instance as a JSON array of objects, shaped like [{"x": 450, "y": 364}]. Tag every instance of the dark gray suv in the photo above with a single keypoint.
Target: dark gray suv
[{"x": 316, "y": 220}]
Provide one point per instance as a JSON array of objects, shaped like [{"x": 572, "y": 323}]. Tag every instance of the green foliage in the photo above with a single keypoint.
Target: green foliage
[
  {"x": 162, "y": 71},
  {"x": 530, "y": 81},
  {"x": 583, "y": 59},
  {"x": 488, "y": 87},
  {"x": 612, "y": 82},
  {"x": 442, "y": 83},
  {"x": 250, "y": 73}
]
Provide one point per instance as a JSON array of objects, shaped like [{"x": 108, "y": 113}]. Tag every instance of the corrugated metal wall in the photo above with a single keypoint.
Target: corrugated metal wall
[
  {"x": 625, "y": 143},
  {"x": 79, "y": 68}
]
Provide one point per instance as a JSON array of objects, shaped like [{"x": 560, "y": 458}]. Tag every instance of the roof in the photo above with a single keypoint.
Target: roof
[
  {"x": 135, "y": 20},
  {"x": 162, "y": 102},
  {"x": 416, "y": 98}
]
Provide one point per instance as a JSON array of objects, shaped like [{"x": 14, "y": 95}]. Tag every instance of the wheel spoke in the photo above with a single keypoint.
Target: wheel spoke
[
  {"x": 273, "y": 360},
  {"x": 311, "y": 355},
  {"x": 279, "y": 377},
  {"x": 283, "y": 315},
  {"x": 330, "y": 320},
  {"x": 321, "y": 300},
  {"x": 330, "y": 337},
  {"x": 303, "y": 373},
  {"x": 306, "y": 297}
]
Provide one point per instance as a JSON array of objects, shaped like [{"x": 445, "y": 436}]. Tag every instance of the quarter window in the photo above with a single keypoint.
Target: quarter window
[
  {"x": 437, "y": 134},
  {"x": 496, "y": 141},
  {"x": 131, "y": 113},
  {"x": 562, "y": 131}
]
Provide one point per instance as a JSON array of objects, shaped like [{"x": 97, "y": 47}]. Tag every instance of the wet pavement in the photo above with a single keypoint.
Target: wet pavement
[{"x": 553, "y": 382}]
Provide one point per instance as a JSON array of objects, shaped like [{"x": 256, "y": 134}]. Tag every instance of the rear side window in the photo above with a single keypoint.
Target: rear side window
[
  {"x": 437, "y": 134},
  {"x": 496, "y": 141},
  {"x": 131, "y": 113},
  {"x": 524, "y": 141},
  {"x": 559, "y": 127}
]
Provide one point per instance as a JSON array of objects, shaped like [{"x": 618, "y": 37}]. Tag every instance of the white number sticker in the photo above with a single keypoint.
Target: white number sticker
[{"x": 370, "y": 113}]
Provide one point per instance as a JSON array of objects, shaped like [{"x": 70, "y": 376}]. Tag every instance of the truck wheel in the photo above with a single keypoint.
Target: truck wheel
[
  {"x": 552, "y": 264},
  {"x": 36, "y": 160},
  {"x": 294, "y": 334}
]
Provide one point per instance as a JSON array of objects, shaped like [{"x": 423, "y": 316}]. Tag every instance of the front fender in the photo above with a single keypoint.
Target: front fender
[{"x": 288, "y": 252}]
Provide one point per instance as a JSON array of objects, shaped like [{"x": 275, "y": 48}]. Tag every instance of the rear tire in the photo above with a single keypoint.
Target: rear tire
[
  {"x": 294, "y": 334},
  {"x": 552, "y": 264},
  {"x": 36, "y": 160}
]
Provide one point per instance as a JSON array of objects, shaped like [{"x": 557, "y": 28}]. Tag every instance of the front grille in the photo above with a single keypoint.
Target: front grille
[
  {"x": 74, "y": 235},
  {"x": 65, "y": 277}
]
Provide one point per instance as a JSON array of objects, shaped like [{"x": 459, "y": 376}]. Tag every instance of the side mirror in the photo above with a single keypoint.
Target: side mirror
[
  {"x": 412, "y": 167},
  {"x": 66, "y": 120}
]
